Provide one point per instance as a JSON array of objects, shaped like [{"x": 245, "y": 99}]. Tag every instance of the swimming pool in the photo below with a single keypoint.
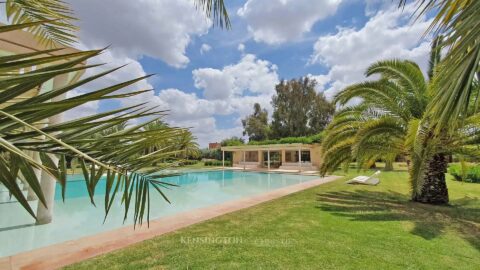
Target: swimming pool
[{"x": 77, "y": 217}]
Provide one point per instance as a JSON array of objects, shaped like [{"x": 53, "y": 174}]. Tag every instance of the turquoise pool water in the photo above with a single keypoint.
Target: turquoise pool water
[{"x": 77, "y": 217}]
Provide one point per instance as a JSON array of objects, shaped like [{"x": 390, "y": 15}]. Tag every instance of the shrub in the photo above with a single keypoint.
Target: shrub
[
  {"x": 217, "y": 163},
  {"x": 465, "y": 173},
  {"x": 188, "y": 162}
]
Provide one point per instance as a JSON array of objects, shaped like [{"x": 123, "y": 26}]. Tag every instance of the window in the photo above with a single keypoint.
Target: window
[{"x": 306, "y": 156}]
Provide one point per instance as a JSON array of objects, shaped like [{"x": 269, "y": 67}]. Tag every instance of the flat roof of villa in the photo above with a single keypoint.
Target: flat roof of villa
[{"x": 284, "y": 146}]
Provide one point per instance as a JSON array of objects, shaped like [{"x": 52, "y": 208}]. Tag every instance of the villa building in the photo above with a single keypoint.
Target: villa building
[{"x": 294, "y": 156}]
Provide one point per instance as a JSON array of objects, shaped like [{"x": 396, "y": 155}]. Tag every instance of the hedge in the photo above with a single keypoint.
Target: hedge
[
  {"x": 188, "y": 162},
  {"x": 217, "y": 163},
  {"x": 306, "y": 140},
  {"x": 469, "y": 173}
]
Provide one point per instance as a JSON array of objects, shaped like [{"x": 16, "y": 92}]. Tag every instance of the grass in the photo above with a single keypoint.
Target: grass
[{"x": 333, "y": 226}]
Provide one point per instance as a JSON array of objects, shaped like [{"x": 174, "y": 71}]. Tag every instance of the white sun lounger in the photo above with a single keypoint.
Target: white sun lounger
[{"x": 365, "y": 180}]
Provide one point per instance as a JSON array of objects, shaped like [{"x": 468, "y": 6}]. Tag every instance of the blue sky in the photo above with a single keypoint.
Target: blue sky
[{"x": 209, "y": 78}]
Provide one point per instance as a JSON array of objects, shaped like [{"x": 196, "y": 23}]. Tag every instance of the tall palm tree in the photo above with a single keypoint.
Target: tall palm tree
[
  {"x": 391, "y": 118},
  {"x": 187, "y": 144},
  {"x": 376, "y": 127}
]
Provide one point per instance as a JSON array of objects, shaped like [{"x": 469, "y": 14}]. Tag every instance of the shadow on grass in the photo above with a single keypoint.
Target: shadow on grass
[{"x": 430, "y": 221}]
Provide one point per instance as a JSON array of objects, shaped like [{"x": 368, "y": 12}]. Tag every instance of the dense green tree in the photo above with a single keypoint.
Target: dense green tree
[
  {"x": 298, "y": 110},
  {"x": 256, "y": 125},
  {"x": 321, "y": 114},
  {"x": 232, "y": 141}
]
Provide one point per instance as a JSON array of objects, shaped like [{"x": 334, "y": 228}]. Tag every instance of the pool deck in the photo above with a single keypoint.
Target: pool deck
[{"x": 69, "y": 252}]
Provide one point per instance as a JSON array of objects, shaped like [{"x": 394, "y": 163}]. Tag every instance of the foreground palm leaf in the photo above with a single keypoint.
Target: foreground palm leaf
[
  {"x": 57, "y": 15},
  {"x": 458, "y": 21},
  {"x": 215, "y": 9},
  {"x": 118, "y": 154}
]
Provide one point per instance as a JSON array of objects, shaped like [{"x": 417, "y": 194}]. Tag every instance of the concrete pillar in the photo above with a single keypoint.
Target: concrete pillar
[
  {"x": 268, "y": 159},
  {"x": 259, "y": 158},
  {"x": 31, "y": 196},
  {"x": 300, "y": 158},
  {"x": 283, "y": 156},
  {"x": 244, "y": 160},
  {"x": 223, "y": 159},
  {"x": 47, "y": 182}
]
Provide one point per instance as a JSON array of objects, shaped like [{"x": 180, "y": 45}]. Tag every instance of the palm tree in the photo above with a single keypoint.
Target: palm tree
[
  {"x": 118, "y": 153},
  {"x": 459, "y": 22},
  {"x": 187, "y": 144},
  {"x": 376, "y": 127},
  {"x": 390, "y": 119}
]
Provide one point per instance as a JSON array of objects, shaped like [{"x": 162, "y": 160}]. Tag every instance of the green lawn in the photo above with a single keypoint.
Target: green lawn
[{"x": 333, "y": 226}]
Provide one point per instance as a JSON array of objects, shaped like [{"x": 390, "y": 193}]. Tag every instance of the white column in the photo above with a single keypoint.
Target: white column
[
  {"x": 47, "y": 182},
  {"x": 223, "y": 159},
  {"x": 300, "y": 158},
  {"x": 268, "y": 159},
  {"x": 31, "y": 196},
  {"x": 259, "y": 158},
  {"x": 243, "y": 160}
]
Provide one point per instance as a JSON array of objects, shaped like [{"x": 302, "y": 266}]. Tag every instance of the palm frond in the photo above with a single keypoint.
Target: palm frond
[
  {"x": 58, "y": 27},
  {"x": 216, "y": 10},
  {"x": 118, "y": 153}
]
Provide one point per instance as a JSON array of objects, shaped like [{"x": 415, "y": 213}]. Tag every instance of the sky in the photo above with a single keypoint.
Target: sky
[{"x": 208, "y": 78}]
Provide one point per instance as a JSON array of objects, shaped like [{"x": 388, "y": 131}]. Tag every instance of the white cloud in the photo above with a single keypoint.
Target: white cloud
[
  {"x": 188, "y": 110},
  {"x": 241, "y": 47},
  {"x": 278, "y": 21},
  {"x": 373, "y": 6},
  {"x": 252, "y": 74},
  {"x": 216, "y": 84},
  {"x": 321, "y": 81},
  {"x": 350, "y": 51},
  {"x": 184, "y": 106},
  {"x": 132, "y": 70},
  {"x": 205, "y": 48},
  {"x": 158, "y": 28}
]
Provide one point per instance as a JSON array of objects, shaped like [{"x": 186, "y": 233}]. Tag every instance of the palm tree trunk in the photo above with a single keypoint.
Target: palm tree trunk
[
  {"x": 388, "y": 165},
  {"x": 434, "y": 189}
]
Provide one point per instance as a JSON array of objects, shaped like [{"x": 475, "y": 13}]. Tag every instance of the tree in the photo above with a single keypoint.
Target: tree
[
  {"x": 321, "y": 114},
  {"x": 391, "y": 119},
  {"x": 233, "y": 141},
  {"x": 256, "y": 124},
  {"x": 298, "y": 110}
]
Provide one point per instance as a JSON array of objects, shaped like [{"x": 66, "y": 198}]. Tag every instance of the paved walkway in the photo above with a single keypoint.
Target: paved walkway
[
  {"x": 62, "y": 254},
  {"x": 258, "y": 169}
]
